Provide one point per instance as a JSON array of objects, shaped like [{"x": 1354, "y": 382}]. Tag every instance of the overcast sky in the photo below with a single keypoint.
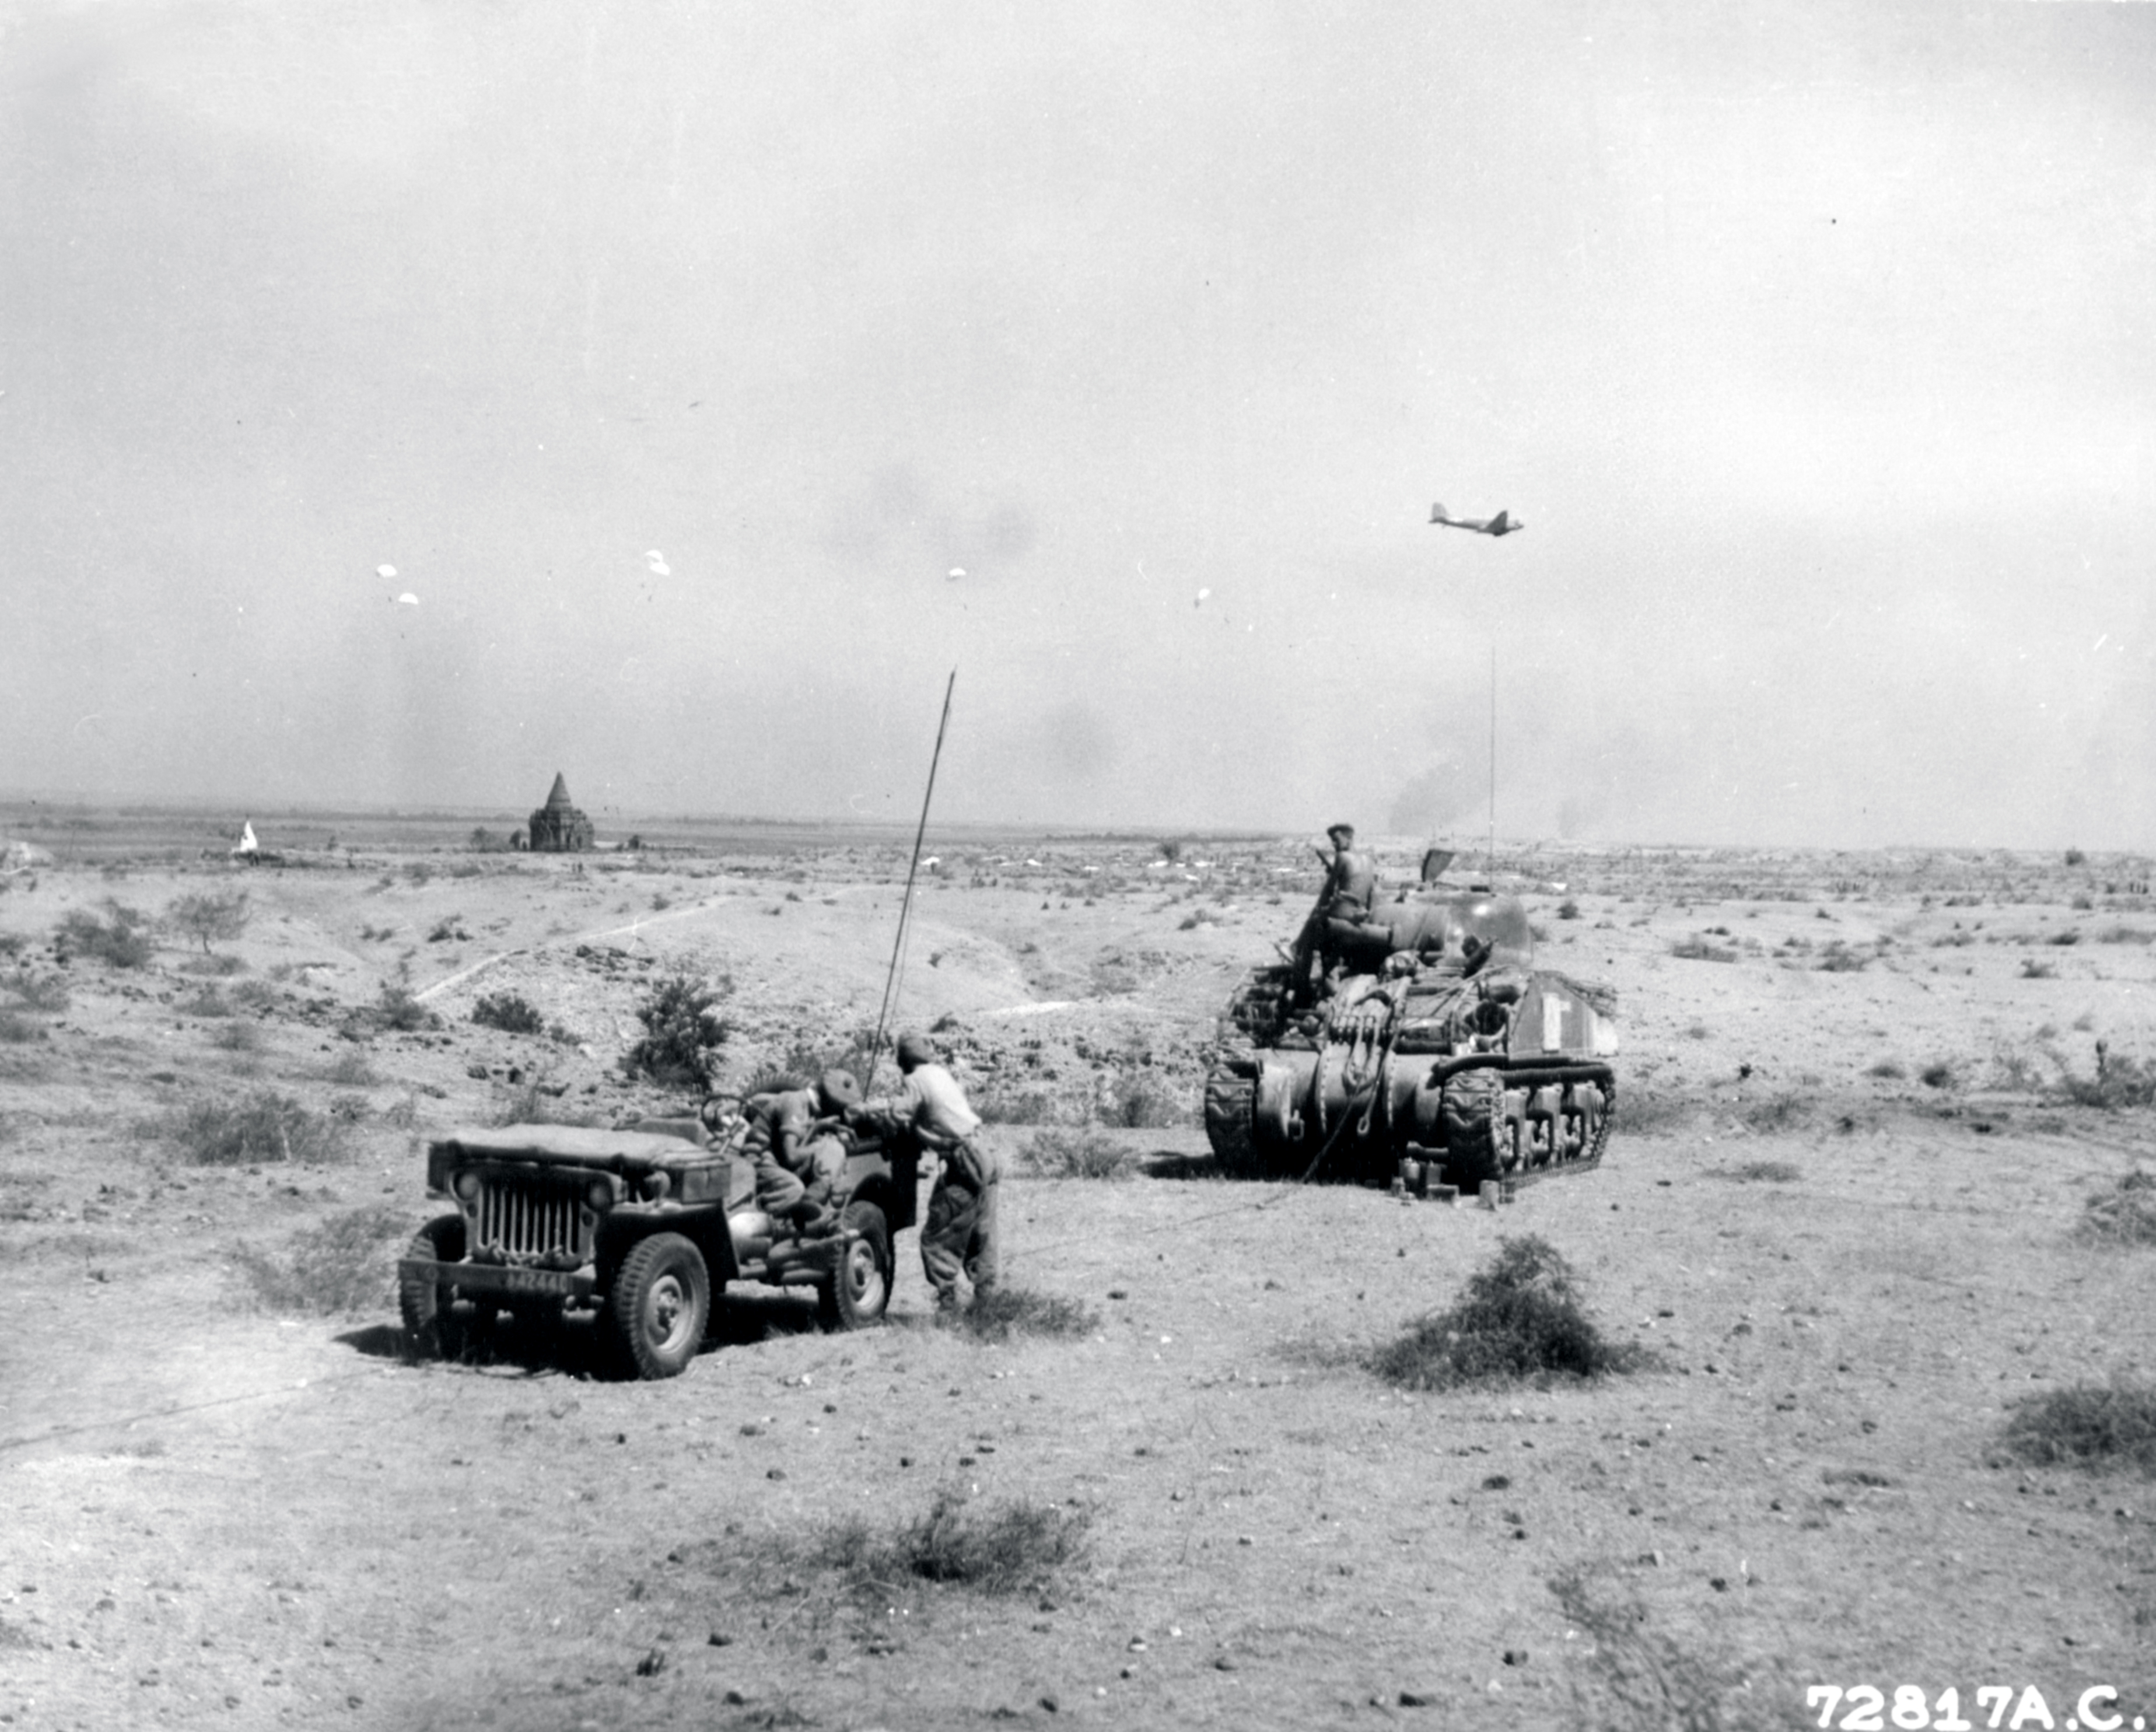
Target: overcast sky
[{"x": 675, "y": 360}]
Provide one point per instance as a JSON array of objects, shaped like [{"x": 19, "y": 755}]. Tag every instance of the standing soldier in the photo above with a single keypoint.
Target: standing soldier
[
  {"x": 1351, "y": 886},
  {"x": 960, "y": 1232}
]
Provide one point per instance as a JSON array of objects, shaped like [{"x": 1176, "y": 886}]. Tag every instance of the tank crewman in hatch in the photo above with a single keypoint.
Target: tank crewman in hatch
[
  {"x": 793, "y": 1144},
  {"x": 960, "y": 1232},
  {"x": 1350, "y": 887}
]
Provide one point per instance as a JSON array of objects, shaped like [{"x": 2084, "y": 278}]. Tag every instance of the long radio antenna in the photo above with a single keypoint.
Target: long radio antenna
[
  {"x": 1490, "y": 857},
  {"x": 906, "y": 902}
]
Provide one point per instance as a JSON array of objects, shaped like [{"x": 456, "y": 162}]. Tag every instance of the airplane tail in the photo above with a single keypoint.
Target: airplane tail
[
  {"x": 1500, "y": 523},
  {"x": 1438, "y": 514}
]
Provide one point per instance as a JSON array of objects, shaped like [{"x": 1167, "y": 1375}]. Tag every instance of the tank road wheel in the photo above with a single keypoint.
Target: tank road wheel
[
  {"x": 1230, "y": 1099},
  {"x": 1472, "y": 1107},
  {"x": 660, "y": 1302},
  {"x": 433, "y": 1327},
  {"x": 858, "y": 1293}
]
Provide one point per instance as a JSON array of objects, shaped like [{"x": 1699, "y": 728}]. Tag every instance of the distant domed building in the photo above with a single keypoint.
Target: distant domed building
[{"x": 558, "y": 827}]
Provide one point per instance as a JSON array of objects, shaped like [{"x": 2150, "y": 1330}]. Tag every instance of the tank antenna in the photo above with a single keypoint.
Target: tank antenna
[
  {"x": 1489, "y": 856},
  {"x": 906, "y": 902}
]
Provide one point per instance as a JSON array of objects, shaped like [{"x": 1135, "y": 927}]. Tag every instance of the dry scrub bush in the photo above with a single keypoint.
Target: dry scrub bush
[
  {"x": 1759, "y": 1172},
  {"x": 1006, "y": 1547},
  {"x": 345, "y": 1266},
  {"x": 16, "y": 1029},
  {"x": 1002, "y": 1312},
  {"x": 1786, "y": 1111},
  {"x": 396, "y": 1008},
  {"x": 1138, "y": 1102},
  {"x": 1696, "y": 948},
  {"x": 1519, "y": 1320},
  {"x": 2118, "y": 1083},
  {"x": 265, "y": 1126},
  {"x": 1014, "y": 1106},
  {"x": 1082, "y": 1153},
  {"x": 1644, "y": 1111},
  {"x": 205, "y": 915},
  {"x": 254, "y": 996},
  {"x": 682, "y": 1030},
  {"x": 1639, "y": 1679},
  {"x": 352, "y": 1070},
  {"x": 37, "y": 992},
  {"x": 2087, "y": 1425},
  {"x": 2125, "y": 1215},
  {"x": 510, "y": 1012},
  {"x": 120, "y": 941},
  {"x": 999, "y": 1547},
  {"x": 811, "y": 1058},
  {"x": 537, "y": 1102}
]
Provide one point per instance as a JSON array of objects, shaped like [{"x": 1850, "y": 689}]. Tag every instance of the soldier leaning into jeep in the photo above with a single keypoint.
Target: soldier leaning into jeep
[
  {"x": 792, "y": 1141},
  {"x": 959, "y": 1235}
]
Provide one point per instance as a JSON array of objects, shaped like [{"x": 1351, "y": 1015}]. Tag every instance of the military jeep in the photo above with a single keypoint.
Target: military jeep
[{"x": 644, "y": 1227}]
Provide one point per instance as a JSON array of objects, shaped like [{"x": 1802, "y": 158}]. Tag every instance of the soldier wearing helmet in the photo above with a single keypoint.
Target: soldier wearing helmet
[
  {"x": 959, "y": 1235},
  {"x": 794, "y": 1145},
  {"x": 1350, "y": 887}
]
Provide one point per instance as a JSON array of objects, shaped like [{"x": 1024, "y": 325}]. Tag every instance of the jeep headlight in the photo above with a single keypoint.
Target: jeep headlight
[
  {"x": 467, "y": 1185},
  {"x": 600, "y": 1194},
  {"x": 656, "y": 1185}
]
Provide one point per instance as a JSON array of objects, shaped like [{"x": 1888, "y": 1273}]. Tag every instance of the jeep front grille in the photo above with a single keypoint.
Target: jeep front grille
[{"x": 517, "y": 1221}]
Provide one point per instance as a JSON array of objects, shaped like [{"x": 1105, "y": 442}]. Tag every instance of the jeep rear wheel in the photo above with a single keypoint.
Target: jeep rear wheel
[
  {"x": 859, "y": 1291},
  {"x": 434, "y": 1326},
  {"x": 660, "y": 1302}
]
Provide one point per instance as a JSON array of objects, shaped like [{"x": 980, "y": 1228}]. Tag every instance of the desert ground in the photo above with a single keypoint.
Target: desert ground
[{"x": 1843, "y": 1205}]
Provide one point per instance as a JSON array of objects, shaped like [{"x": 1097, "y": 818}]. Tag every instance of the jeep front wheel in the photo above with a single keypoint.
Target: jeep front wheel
[
  {"x": 433, "y": 1327},
  {"x": 660, "y": 1302},
  {"x": 859, "y": 1291}
]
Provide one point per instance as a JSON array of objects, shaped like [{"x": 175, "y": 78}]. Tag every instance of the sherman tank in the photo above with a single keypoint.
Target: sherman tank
[{"x": 1432, "y": 1052}]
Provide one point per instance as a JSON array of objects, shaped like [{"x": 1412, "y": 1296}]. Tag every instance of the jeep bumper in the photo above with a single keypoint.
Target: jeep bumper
[{"x": 473, "y": 1279}]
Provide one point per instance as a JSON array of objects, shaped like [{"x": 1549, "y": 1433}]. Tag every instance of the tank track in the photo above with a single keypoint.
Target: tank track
[{"x": 1231, "y": 1099}]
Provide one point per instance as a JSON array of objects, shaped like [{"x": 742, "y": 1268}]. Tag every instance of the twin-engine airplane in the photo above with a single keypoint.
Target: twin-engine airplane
[{"x": 1502, "y": 524}]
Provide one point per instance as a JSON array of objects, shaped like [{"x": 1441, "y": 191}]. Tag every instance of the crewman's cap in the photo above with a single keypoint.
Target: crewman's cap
[
  {"x": 1346, "y": 832},
  {"x": 839, "y": 1088},
  {"x": 914, "y": 1049}
]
